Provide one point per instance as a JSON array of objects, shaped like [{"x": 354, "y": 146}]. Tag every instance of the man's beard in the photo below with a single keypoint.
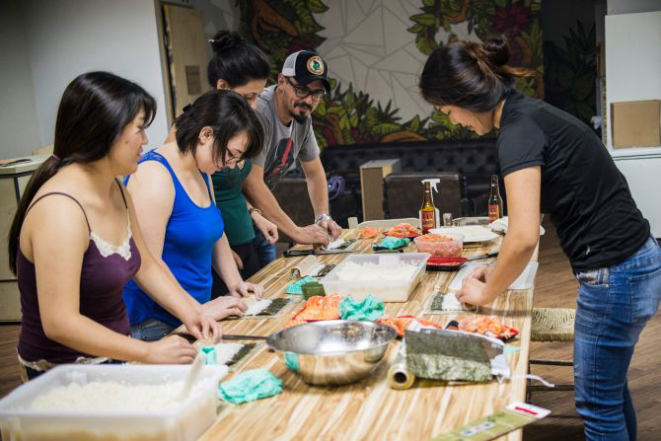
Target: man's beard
[{"x": 300, "y": 118}]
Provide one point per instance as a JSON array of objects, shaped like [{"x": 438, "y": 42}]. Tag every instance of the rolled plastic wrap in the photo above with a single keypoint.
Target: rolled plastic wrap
[
  {"x": 399, "y": 378},
  {"x": 304, "y": 267}
]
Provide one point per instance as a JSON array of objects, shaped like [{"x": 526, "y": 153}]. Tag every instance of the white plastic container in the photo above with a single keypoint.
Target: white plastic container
[
  {"x": 187, "y": 421},
  {"x": 387, "y": 290}
]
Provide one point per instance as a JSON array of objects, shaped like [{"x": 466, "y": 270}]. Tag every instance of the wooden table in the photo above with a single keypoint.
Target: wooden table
[{"x": 370, "y": 410}]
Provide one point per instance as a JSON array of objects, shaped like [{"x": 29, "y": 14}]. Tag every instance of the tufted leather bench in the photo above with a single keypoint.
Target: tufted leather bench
[{"x": 473, "y": 159}]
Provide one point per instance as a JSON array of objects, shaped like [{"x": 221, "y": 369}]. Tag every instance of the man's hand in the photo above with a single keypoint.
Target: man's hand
[
  {"x": 312, "y": 234},
  {"x": 333, "y": 229}
]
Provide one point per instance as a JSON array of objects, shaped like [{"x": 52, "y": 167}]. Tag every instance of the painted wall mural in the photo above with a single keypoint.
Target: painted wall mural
[{"x": 376, "y": 49}]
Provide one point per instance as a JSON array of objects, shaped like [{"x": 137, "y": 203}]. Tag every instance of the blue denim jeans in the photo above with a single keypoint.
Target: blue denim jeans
[
  {"x": 265, "y": 250},
  {"x": 614, "y": 305},
  {"x": 150, "y": 330}
]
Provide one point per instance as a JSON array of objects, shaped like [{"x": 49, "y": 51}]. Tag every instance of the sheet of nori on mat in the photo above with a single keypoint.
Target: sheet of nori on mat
[{"x": 447, "y": 355}]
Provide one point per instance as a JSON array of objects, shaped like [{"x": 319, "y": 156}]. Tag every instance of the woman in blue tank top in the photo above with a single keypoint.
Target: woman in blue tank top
[{"x": 176, "y": 209}]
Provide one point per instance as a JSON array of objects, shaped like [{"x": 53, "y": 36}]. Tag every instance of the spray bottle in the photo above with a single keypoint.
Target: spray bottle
[{"x": 429, "y": 214}]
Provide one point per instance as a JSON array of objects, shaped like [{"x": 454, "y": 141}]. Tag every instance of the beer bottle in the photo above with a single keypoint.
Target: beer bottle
[
  {"x": 495, "y": 201},
  {"x": 427, "y": 211}
]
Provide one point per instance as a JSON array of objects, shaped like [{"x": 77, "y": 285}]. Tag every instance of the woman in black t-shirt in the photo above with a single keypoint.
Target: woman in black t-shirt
[{"x": 553, "y": 163}]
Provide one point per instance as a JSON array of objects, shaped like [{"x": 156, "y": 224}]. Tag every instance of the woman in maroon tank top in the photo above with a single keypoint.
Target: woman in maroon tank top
[{"x": 75, "y": 240}]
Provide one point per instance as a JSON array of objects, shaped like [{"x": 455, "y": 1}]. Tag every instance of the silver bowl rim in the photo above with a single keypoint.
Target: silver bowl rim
[{"x": 393, "y": 336}]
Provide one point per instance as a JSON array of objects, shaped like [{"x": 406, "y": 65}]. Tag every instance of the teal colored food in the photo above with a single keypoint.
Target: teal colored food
[
  {"x": 250, "y": 386},
  {"x": 368, "y": 309}
]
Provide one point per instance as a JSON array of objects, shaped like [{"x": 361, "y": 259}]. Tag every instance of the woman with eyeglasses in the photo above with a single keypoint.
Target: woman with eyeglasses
[
  {"x": 553, "y": 163},
  {"x": 242, "y": 67},
  {"x": 175, "y": 205}
]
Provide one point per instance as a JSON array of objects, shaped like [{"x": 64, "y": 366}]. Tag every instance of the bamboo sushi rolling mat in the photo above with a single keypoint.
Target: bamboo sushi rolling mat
[{"x": 370, "y": 409}]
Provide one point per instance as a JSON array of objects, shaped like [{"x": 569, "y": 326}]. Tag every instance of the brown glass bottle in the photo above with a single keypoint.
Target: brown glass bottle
[
  {"x": 495, "y": 201},
  {"x": 427, "y": 211}
]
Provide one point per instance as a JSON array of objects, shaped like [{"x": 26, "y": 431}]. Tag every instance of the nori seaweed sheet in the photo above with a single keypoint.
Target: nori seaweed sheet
[
  {"x": 437, "y": 302},
  {"x": 247, "y": 347},
  {"x": 444, "y": 355},
  {"x": 325, "y": 270},
  {"x": 275, "y": 307},
  {"x": 347, "y": 243}
]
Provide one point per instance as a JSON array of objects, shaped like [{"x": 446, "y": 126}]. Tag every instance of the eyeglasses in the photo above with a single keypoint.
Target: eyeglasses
[
  {"x": 304, "y": 92},
  {"x": 231, "y": 158}
]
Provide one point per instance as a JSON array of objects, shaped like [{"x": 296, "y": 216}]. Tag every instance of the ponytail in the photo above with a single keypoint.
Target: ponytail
[{"x": 470, "y": 75}]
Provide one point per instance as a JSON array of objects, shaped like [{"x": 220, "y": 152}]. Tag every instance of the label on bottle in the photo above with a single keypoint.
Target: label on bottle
[
  {"x": 427, "y": 220},
  {"x": 494, "y": 213}
]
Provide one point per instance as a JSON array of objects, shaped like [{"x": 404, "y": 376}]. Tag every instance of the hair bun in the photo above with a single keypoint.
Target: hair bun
[
  {"x": 498, "y": 51},
  {"x": 226, "y": 40}
]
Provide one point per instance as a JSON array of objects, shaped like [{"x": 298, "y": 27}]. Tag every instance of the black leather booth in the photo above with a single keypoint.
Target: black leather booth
[{"x": 473, "y": 162}]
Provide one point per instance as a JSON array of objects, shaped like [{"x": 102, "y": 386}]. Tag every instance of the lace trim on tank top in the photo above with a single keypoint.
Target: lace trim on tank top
[{"x": 107, "y": 249}]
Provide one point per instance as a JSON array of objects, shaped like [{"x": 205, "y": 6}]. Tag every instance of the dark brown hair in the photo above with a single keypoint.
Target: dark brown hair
[
  {"x": 228, "y": 114},
  {"x": 470, "y": 75},
  {"x": 94, "y": 110},
  {"x": 236, "y": 61}
]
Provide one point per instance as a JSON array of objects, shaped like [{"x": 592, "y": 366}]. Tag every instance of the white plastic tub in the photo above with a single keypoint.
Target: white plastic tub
[
  {"x": 186, "y": 421},
  {"x": 397, "y": 290}
]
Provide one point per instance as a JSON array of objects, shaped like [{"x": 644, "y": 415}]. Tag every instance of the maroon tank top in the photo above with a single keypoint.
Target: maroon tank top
[{"x": 103, "y": 276}]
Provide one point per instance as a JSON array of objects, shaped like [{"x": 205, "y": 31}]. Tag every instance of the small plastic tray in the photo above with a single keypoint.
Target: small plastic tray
[
  {"x": 182, "y": 423},
  {"x": 386, "y": 290}
]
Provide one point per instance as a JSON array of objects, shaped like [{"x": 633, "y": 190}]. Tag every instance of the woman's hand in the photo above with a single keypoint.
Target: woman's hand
[
  {"x": 203, "y": 327},
  {"x": 237, "y": 259},
  {"x": 480, "y": 273},
  {"x": 473, "y": 292},
  {"x": 266, "y": 227},
  {"x": 223, "y": 307},
  {"x": 244, "y": 289},
  {"x": 170, "y": 350}
]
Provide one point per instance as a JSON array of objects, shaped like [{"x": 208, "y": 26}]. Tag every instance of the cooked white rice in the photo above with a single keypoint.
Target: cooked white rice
[{"x": 97, "y": 396}]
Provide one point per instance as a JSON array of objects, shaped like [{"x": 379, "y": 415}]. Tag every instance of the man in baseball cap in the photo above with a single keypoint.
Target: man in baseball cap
[{"x": 285, "y": 113}]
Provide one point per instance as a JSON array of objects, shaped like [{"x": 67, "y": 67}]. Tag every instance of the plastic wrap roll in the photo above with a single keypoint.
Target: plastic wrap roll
[
  {"x": 399, "y": 377},
  {"x": 304, "y": 267}
]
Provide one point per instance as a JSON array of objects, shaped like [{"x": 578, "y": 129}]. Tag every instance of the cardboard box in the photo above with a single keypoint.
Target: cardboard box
[
  {"x": 372, "y": 174},
  {"x": 636, "y": 124}
]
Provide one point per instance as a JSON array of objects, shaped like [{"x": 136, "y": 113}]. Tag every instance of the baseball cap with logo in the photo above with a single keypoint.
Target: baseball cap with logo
[{"x": 305, "y": 67}]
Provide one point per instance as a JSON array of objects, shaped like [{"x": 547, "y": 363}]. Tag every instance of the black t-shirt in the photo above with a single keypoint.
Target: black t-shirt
[{"x": 587, "y": 197}]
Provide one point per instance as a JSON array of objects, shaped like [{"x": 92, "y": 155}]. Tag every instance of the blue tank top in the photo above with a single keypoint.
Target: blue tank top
[{"x": 190, "y": 235}]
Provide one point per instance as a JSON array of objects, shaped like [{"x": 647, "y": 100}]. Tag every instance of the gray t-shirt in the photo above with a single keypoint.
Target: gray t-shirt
[{"x": 282, "y": 144}]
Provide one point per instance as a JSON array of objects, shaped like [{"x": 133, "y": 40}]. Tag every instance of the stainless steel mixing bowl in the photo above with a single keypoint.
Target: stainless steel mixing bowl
[{"x": 332, "y": 352}]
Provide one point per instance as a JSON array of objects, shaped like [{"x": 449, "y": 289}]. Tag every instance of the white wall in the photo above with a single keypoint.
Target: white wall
[
  {"x": 68, "y": 37},
  {"x": 633, "y": 62},
  {"x": 19, "y": 130}
]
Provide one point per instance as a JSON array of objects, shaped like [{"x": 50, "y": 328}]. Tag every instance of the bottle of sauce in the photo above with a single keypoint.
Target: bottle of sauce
[
  {"x": 495, "y": 201},
  {"x": 428, "y": 213}
]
